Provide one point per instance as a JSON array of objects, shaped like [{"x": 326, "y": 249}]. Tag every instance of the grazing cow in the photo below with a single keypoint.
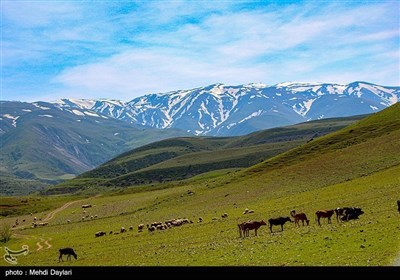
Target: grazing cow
[
  {"x": 299, "y": 217},
  {"x": 278, "y": 221},
  {"x": 225, "y": 215},
  {"x": 245, "y": 227},
  {"x": 339, "y": 213},
  {"x": 324, "y": 214},
  {"x": 122, "y": 230},
  {"x": 348, "y": 213},
  {"x": 86, "y": 206},
  {"x": 398, "y": 205},
  {"x": 351, "y": 213},
  {"x": 67, "y": 251}
]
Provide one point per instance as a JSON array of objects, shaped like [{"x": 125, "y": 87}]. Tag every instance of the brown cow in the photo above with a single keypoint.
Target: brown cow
[
  {"x": 250, "y": 225},
  {"x": 299, "y": 217},
  {"x": 324, "y": 214}
]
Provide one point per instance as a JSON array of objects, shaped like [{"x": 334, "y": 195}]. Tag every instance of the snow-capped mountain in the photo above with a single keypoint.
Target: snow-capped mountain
[{"x": 221, "y": 110}]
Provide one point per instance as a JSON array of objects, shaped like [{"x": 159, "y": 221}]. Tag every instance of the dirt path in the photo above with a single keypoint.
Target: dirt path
[
  {"x": 54, "y": 212},
  {"x": 48, "y": 217}
]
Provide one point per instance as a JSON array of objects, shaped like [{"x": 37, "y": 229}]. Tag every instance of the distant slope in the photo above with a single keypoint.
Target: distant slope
[
  {"x": 48, "y": 145},
  {"x": 180, "y": 158}
]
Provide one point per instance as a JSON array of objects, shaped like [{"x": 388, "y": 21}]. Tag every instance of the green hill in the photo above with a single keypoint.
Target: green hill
[
  {"x": 182, "y": 158},
  {"x": 358, "y": 165}
]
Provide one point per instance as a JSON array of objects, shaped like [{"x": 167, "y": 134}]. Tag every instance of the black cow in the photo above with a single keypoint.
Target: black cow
[
  {"x": 348, "y": 213},
  {"x": 67, "y": 251},
  {"x": 398, "y": 205},
  {"x": 278, "y": 221}
]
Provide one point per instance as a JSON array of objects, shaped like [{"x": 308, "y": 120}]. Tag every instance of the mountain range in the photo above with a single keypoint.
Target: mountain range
[{"x": 53, "y": 141}]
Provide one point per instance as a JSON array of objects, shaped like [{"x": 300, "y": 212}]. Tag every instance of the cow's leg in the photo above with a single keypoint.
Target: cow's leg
[
  {"x": 319, "y": 221},
  {"x": 255, "y": 232},
  {"x": 270, "y": 228},
  {"x": 281, "y": 227},
  {"x": 60, "y": 258}
]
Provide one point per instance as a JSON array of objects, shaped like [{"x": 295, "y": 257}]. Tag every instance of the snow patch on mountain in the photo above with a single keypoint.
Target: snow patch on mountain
[
  {"x": 40, "y": 107},
  {"x": 91, "y": 114},
  {"x": 78, "y": 113}
]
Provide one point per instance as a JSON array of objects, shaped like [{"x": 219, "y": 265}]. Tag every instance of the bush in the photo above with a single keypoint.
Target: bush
[{"x": 5, "y": 232}]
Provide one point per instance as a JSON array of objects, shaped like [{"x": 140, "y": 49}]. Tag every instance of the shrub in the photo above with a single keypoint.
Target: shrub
[{"x": 5, "y": 232}]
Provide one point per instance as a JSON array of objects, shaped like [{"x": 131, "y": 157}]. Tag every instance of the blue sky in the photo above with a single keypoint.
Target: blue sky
[{"x": 124, "y": 49}]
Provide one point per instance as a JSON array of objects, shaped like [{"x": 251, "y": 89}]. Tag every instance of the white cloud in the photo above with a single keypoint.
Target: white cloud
[{"x": 161, "y": 45}]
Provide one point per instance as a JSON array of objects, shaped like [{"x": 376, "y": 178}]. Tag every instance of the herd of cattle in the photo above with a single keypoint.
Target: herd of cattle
[{"x": 342, "y": 214}]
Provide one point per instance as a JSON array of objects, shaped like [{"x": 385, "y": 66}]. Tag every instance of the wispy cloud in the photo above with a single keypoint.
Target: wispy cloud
[{"x": 124, "y": 50}]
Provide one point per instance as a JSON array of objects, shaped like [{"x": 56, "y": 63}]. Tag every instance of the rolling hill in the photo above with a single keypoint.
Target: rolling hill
[{"x": 182, "y": 158}]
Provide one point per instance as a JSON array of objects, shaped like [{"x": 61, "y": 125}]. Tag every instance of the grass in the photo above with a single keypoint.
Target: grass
[{"x": 367, "y": 241}]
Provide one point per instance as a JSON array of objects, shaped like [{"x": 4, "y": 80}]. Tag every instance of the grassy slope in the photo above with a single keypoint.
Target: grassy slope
[
  {"x": 337, "y": 170},
  {"x": 180, "y": 158}
]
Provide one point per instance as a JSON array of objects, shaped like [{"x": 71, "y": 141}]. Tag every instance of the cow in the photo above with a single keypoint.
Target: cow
[
  {"x": 324, "y": 214},
  {"x": 278, "y": 221},
  {"x": 86, "y": 206},
  {"x": 67, "y": 251},
  {"x": 299, "y": 217},
  {"x": 348, "y": 213},
  {"x": 398, "y": 205},
  {"x": 245, "y": 227}
]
